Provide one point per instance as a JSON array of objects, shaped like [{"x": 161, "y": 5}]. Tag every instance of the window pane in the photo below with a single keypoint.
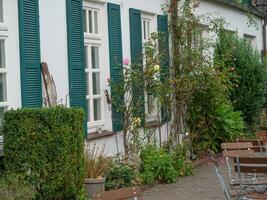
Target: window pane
[
  {"x": 2, "y": 54},
  {"x": 88, "y": 111},
  {"x": 84, "y": 21},
  {"x": 86, "y": 57},
  {"x": 148, "y": 29},
  {"x": 87, "y": 83},
  {"x": 95, "y": 57},
  {"x": 150, "y": 102},
  {"x": 97, "y": 109},
  {"x": 96, "y": 22},
  {"x": 2, "y": 111},
  {"x": 96, "y": 83},
  {"x": 3, "y": 88},
  {"x": 144, "y": 29},
  {"x": 1, "y": 11},
  {"x": 90, "y": 22}
]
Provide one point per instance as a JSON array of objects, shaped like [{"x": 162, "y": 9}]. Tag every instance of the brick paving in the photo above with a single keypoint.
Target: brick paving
[{"x": 203, "y": 185}]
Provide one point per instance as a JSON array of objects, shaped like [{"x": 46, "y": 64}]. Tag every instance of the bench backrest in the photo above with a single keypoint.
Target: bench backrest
[
  {"x": 251, "y": 164},
  {"x": 258, "y": 144}
]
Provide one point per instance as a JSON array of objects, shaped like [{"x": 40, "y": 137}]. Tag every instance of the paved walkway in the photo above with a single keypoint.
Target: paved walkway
[{"x": 203, "y": 185}]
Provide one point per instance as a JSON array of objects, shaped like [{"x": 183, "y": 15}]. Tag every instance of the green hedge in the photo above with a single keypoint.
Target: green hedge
[{"x": 48, "y": 146}]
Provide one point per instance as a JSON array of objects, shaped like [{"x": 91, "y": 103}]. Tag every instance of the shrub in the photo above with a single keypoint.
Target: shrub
[
  {"x": 14, "y": 187},
  {"x": 119, "y": 175},
  {"x": 96, "y": 164},
  {"x": 47, "y": 145},
  {"x": 247, "y": 74},
  {"x": 157, "y": 165},
  {"x": 212, "y": 119},
  {"x": 180, "y": 164}
]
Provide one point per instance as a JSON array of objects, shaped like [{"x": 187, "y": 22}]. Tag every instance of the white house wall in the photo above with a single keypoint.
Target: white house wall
[
  {"x": 53, "y": 36},
  {"x": 236, "y": 20},
  {"x": 53, "y": 40},
  {"x": 12, "y": 53}
]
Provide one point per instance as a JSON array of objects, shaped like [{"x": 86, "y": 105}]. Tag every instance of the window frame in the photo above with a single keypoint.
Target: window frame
[
  {"x": 94, "y": 8},
  {"x": 252, "y": 39},
  {"x": 4, "y": 35},
  {"x": 151, "y": 18},
  {"x": 94, "y": 40}
]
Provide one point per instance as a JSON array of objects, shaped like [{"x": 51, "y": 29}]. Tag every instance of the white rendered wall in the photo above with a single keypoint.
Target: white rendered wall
[
  {"x": 53, "y": 34},
  {"x": 153, "y": 7},
  {"x": 12, "y": 53},
  {"x": 237, "y": 20}
]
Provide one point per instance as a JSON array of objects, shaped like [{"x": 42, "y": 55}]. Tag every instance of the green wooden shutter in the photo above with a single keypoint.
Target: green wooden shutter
[
  {"x": 246, "y": 2},
  {"x": 136, "y": 56},
  {"x": 164, "y": 50},
  {"x": 30, "y": 53},
  {"x": 76, "y": 54},
  {"x": 115, "y": 56}
]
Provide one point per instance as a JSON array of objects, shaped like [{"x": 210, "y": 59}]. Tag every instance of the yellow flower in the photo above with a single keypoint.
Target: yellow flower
[
  {"x": 136, "y": 121},
  {"x": 156, "y": 68}
]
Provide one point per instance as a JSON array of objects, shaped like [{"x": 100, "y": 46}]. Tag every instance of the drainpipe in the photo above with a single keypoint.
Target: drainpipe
[{"x": 264, "y": 53}]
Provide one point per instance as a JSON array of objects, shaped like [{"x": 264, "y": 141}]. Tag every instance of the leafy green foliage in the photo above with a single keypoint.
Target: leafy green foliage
[
  {"x": 47, "y": 146},
  {"x": 212, "y": 119},
  {"x": 247, "y": 75},
  {"x": 227, "y": 126},
  {"x": 119, "y": 175},
  {"x": 180, "y": 164},
  {"x": 14, "y": 187},
  {"x": 157, "y": 166}
]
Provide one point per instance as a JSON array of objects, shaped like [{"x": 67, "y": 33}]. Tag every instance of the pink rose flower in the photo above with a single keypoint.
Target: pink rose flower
[{"x": 125, "y": 61}]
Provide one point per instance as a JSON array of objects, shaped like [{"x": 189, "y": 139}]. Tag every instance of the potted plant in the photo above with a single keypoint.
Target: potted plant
[{"x": 96, "y": 164}]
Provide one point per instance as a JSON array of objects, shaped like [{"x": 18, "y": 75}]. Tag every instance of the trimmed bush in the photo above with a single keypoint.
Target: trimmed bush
[
  {"x": 119, "y": 175},
  {"x": 47, "y": 145},
  {"x": 243, "y": 66},
  {"x": 14, "y": 187}
]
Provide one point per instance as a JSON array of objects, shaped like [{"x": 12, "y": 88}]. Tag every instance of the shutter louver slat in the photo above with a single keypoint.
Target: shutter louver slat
[
  {"x": 115, "y": 53},
  {"x": 30, "y": 53},
  {"x": 76, "y": 55}
]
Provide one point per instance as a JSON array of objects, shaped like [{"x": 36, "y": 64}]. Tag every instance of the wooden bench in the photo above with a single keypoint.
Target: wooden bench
[
  {"x": 262, "y": 136},
  {"x": 258, "y": 144}
]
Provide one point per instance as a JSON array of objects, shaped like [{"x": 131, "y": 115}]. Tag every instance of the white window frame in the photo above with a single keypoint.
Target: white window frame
[
  {"x": 4, "y": 35},
  {"x": 252, "y": 39},
  {"x": 151, "y": 18},
  {"x": 3, "y": 25},
  {"x": 92, "y": 39},
  {"x": 94, "y": 8}
]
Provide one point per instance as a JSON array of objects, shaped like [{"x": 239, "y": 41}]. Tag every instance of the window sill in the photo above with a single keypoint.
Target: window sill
[
  {"x": 153, "y": 124},
  {"x": 96, "y": 135}
]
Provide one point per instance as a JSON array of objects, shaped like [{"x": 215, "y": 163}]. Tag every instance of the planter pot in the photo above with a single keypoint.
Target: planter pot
[{"x": 93, "y": 186}]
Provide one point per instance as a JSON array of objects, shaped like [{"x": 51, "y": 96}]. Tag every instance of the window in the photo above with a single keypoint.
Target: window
[
  {"x": 91, "y": 21},
  {"x": 251, "y": 40},
  {"x": 146, "y": 23},
  {"x": 3, "y": 62},
  {"x": 93, "y": 69},
  {"x": 3, "y": 87},
  {"x": 151, "y": 104},
  {"x": 1, "y": 12}
]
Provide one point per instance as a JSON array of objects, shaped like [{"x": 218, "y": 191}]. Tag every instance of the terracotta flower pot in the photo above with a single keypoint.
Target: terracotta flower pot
[{"x": 93, "y": 186}]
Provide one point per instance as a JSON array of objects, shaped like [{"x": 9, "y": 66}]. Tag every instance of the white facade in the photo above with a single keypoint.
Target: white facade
[{"x": 53, "y": 44}]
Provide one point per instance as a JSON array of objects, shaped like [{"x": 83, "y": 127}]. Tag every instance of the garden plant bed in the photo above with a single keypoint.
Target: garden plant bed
[{"x": 135, "y": 191}]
